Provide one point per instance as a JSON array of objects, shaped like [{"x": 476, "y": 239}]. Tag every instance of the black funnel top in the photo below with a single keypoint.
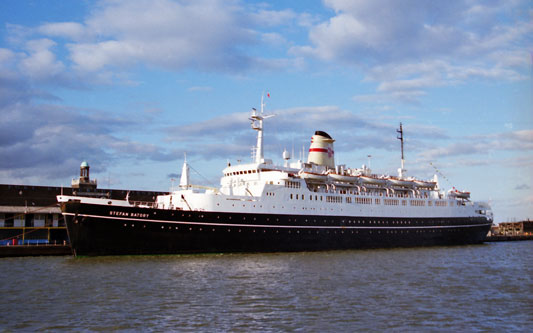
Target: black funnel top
[{"x": 324, "y": 134}]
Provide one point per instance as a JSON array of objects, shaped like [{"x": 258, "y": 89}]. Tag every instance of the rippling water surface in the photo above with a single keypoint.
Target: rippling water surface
[{"x": 470, "y": 288}]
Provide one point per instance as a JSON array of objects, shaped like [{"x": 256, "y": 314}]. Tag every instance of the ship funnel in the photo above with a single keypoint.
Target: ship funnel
[{"x": 321, "y": 150}]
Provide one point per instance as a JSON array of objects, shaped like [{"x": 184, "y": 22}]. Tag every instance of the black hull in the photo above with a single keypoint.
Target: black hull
[{"x": 109, "y": 230}]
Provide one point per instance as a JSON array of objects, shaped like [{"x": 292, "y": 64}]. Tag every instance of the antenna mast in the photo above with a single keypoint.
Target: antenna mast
[
  {"x": 400, "y": 137},
  {"x": 257, "y": 124}
]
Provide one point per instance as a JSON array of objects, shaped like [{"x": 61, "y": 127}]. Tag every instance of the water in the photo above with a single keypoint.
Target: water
[{"x": 472, "y": 288}]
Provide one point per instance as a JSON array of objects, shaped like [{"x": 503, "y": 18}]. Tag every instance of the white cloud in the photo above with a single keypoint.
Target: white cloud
[
  {"x": 521, "y": 141},
  {"x": 410, "y": 46},
  {"x": 273, "y": 38},
  {"x": 273, "y": 17},
  {"x": 234, "y": 136},
  {"x": 168, "y": 34},
  {"x": 72, "y": 30},
  {"x": 6, "y": 56},
  {"x": 48, "y": 141},
  {"x": 41, "y": 63}
]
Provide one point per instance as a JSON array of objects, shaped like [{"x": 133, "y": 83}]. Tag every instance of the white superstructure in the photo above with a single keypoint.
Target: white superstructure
[{"x": 319, "y": 187}]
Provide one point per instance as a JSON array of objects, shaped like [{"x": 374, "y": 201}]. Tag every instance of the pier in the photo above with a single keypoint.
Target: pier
[{"x": 35, "y": 250}]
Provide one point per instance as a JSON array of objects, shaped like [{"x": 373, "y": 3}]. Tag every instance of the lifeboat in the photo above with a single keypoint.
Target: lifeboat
[
  {"x": 400, "y": 182},
  {"x": 459, "y": 194},
  {"x": 425, "y": 184},
  {"x": 372, "y": 180},
  {"x": 342, "y": 178},
  {"x": 311, "y": 176}
]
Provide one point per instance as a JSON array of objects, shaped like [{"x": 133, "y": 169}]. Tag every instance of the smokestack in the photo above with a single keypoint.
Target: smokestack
[{"x": 321, "y": 151}]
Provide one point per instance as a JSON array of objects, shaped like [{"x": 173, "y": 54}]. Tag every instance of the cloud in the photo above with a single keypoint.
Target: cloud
[
  {"x": 484, "y": 144},
  {"x": 385, "y": 31},
  {"x": 272, "y": 18},
  {"x": 522, "y": 187},
  {"x": 47, "y": 141},
  {"x": 407, "y": 48},
  {"x": 168, "y": 34},
  {"x": 71, "y": 30},
  {"x": 173, "y": 35},
  {"x": 41, "y": 63},
  {"x": 231, "y": 135}
]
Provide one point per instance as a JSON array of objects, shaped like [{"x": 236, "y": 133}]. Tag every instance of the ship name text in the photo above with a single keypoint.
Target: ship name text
[{"x": 128, "y": 214}]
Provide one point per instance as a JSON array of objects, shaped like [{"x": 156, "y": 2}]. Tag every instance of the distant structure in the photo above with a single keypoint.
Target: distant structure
[
  {"x": 522, "y": 228},
  {"x": 84, "y": 182},
  {"x": 31, "y": 215}
]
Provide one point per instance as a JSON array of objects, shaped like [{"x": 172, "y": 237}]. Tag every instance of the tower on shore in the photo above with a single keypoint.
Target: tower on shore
[{"x": 84, "y": 182}]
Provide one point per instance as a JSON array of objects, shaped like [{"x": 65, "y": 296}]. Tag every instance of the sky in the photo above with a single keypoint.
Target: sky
[{"x": 131, "y": 86}]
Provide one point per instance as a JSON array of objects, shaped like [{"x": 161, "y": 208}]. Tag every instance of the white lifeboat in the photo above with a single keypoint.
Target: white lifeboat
[
  {"x": 425, "y": 184},
  {"x": 459, "y": 194},
  {"x": 312, "y": 176},
  {"x": 400, "y": 182},
  {"x": 372, "y": 180},
  {"x": 342, "y": 178}
]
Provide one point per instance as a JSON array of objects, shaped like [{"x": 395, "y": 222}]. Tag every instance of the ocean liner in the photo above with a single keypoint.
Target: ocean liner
[{"x": 297, "y": 206}]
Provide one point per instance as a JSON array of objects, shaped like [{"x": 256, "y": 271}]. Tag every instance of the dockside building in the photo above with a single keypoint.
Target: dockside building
[{"x": 30, "y": 214}]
